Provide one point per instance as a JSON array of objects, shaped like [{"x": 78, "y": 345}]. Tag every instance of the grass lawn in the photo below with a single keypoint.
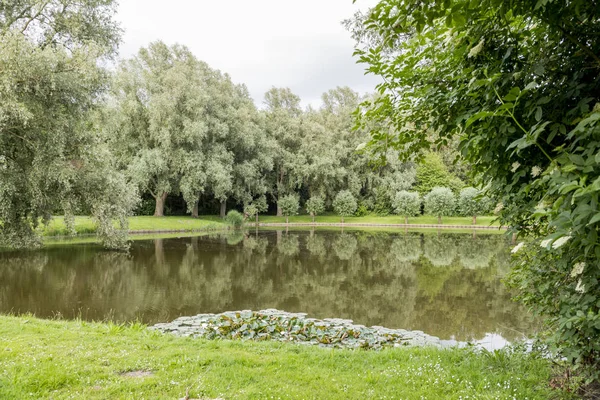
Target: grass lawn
[
  {"x": 374, "y": 219},
  {"x": 85, "y": 225},
  {"x": 59, "y": 360}
]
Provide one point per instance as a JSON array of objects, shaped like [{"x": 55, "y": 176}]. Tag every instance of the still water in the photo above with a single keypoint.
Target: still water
[{"x": 447, "y": 285}]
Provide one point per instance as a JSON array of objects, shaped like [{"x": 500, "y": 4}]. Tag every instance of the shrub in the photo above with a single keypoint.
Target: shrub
[
  {"x": 289, "y": 206},
  {"x": 407, "y": 204},
  {"x": 472, "y": 203},
  {"x": 440, "y": 202},
  {"x": 314, "y": 206},
  {"x": 234, "y": 219},
  {"x": 362, "y": 210},
  {"x": 433, "y": 173},
  {"x": 344, "y": 204}
]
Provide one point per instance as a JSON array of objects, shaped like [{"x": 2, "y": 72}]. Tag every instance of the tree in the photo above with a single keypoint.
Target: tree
[
  {"x": 256, "y": 207},
  {"x": 160, "y": 122},
  {"x": 283, "y": 128},
  {"x": 517, "y": 81},
  {"x": 440, "y": 202},
  {"x": 471, "y": 202},
  {"x": 314, "y": 206},
  {"x": 289, "y": 205},
  {"x": 344, "y": 204},
  {"x": 407, "y": 204},
  {"x": 52, "y": 154},
  {"x": 432, "y": 172}
]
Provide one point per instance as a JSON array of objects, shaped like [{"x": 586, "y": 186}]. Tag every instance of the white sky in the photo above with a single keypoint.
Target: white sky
[{"x": 262, "y": 43}]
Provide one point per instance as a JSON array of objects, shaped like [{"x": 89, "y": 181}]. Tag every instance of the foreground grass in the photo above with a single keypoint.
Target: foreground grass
[{"x": 60, "y": 360}]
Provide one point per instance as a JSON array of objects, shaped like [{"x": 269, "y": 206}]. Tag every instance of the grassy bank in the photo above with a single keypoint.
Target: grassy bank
[
  {"x": 85, "y": 225},
  {"x": 60, "y": 360},
  {"x": 390, "y": 219}
]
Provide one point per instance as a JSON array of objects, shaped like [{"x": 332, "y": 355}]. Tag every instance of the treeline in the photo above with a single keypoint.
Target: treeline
[
  {"x": 163, "y": 130},
  {"x": 193, "y": 141}
]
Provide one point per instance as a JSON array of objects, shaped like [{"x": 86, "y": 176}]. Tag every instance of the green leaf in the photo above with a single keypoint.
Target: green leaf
[{"x": 595, "y": 219}]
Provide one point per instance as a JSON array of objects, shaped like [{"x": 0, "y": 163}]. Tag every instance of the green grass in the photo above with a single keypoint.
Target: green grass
[
  {"x": 57, "y": 359},
  {"x": 85, "y": 225},
  {"x": 374, "y": 219}
]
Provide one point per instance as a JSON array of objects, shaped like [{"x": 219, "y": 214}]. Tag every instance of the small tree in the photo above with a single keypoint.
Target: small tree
[
  {"x": 440, "y": 202},
  {"x": 472, "y": 203},
  {"x": 344, "y": 204},
  {"x": 407, "y": 204},
  {"x": 314, "y": 206},
  {"x": 289, "y": 206},
  {"x": 256, "y": 207}
]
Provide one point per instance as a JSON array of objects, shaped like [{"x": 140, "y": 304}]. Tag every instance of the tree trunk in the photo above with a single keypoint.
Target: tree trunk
[
  {"x": 439, "y": 220},
  {"x": 313, "y": 218},
  {"x": 405, "y": 220},
  {"x": 342, "y": 220},
  {"x": 195, "y": 209},
  {"x": 474, "y": 219},
  {"x": 223, "y": 208},
  {"x": 159, "y": 210},
  {"x": 287, "y": 220},
  {"x": 257, "y": 220},
  {"x": 279, "y": 211}
]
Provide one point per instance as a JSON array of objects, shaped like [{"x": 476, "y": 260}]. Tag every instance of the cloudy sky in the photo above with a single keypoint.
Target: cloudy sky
[{"x": 263, "y": 43}]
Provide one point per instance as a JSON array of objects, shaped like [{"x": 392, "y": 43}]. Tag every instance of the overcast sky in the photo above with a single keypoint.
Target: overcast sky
[{"x": 262, "y": 43}]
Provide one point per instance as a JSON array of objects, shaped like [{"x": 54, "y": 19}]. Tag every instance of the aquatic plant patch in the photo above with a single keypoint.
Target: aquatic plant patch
[{"x": 283, "y": 326}]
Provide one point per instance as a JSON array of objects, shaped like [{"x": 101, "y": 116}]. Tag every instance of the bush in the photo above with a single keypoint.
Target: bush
[
  {"x": 440, "y": 202},
  {"x": 314, "y": 206},
  {"x": 234, "y": 219},
  {"x": 472, "y": 203},
  {"x": 344, "y": 204},
  {"x": 407, "y": 204},
  {"x": 289, "y": 206},
  {"x": 361, "y": 211},
  {"x": 433, "y": 173}
]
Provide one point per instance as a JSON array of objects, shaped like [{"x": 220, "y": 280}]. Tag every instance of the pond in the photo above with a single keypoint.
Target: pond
[{"x": 447, "y": 285}]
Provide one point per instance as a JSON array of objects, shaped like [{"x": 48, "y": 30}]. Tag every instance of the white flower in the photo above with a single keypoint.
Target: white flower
[
  {"x": 577, "y": 269},
  {"x": 535, "y": 171},
  {"x": 515, "y": 166},
  {"x": 580, "y": 287},
  {"x": 560, "y": 241},
  {"x": 499, "y": 207},
  {"x": 517, "y": 247},
  {"x": 476, "y": 49},
  {"x": 546, "y": 242}
]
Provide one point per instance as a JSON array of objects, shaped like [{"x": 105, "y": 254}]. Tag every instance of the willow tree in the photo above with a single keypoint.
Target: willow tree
[
  {"x": 160, "y": 120},
  {"x": 52, "y": 157},
  {"x": 283, "y": 126}
]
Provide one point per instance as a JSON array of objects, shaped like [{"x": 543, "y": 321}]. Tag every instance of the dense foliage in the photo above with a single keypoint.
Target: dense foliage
[
  {"x": 518, "y": 83},
  {"x": 52, "y": 158}
]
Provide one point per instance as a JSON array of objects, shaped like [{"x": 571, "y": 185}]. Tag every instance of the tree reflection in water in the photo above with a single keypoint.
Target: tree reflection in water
[{"x": 448, "y": 285}]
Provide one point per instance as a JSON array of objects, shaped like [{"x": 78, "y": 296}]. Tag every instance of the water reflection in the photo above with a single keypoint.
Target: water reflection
[{"x": 448, "y": 285}]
